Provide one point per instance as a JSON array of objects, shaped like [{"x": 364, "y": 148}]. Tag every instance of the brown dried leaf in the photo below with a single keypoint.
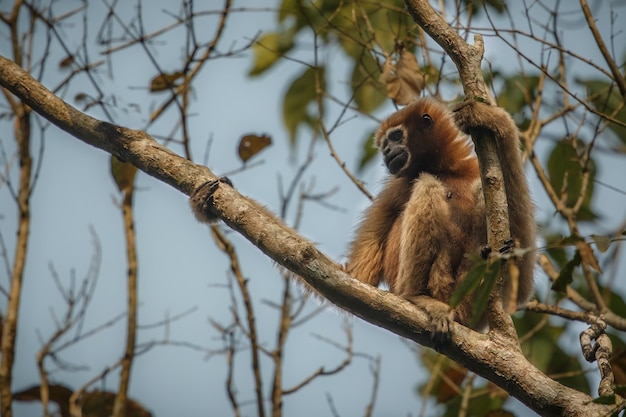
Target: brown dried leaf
[
  {"x": 165, "y": 81},
  {"x": 123, "y": 174},
  {"x": 80, "y": 97},
  {"x": 403, "y": 78},
  {"x": 250, "y": 145},
  {"x": 587, "y": 255},
  {"x": 66, "y": 62}
]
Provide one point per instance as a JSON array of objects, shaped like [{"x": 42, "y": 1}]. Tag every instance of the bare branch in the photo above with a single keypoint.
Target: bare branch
[
  {"x": 615, "y": 70},
  {"x": 9, "y": 328},
  {"x": 121, "y": 398},
  {"x": 227, "y": 247}
]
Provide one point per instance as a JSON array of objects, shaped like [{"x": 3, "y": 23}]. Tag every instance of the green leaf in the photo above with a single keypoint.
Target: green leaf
[
  {"x": 557, "y": 247},
  {"x": 301, "y": 94},
  {"x": 368, "y": 151},
  {"x": 614, "y": 301},
  {"x": 353, "y": 29},
  {"x": 391, "y": 26},
  {"x": 602, "y": 242},
  {"x": 606, "y": 98},
  {"x": 447, "y": 374},
  {"x": 609, "y": 399},
  {"x": 481, "y": 296},
  {"x": 269, "y": 49},
  {"x": 368, "y": 92},
  {"x": 469, "y": 283},
  {"x": 566, "y": 276},
  {"x": 564, "y": 167},
  {"x": 288, "y": 8},
  {"x": 554, "y": 247},
  {"x": 516, "y": 92}
]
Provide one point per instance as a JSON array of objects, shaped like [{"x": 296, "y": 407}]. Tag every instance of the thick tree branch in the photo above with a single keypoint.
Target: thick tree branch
[
  {"x": 497, "y": 359},
  {"x": 467, "y": 58}
]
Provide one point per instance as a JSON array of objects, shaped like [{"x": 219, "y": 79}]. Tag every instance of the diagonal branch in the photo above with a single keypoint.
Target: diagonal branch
[{"x": 615, "y": 70}]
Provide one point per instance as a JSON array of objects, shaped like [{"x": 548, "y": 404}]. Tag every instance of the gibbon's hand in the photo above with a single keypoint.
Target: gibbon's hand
[{"x": 201, "y": 200}]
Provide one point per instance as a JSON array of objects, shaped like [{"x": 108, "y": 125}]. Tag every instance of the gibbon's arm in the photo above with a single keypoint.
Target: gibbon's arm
[
  {"x": 473, "y": 114},
  {"x": 425, "y": 273},
  {"x": 366, "y": 256}
]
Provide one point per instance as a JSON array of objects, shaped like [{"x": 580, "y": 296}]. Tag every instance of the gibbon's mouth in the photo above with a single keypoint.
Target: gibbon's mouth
[{"x": 396, "y": 161}]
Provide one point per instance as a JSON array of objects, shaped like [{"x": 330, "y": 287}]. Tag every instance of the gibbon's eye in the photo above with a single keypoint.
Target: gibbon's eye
[
  {"x": 426, "y": 122},
  {"x": 395, "y": 135}
]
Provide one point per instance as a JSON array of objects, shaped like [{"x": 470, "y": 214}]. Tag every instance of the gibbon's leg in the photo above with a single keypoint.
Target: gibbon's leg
[
  {"x": 368, "y": 248},
  {"x": 424, "y": 274}
]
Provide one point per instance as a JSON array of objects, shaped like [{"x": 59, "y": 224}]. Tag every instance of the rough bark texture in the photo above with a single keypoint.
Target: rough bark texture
[{"x": 496, "y": 358}]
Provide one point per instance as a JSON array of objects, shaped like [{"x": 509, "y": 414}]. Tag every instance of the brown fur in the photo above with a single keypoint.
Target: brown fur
[{"x": 431, "y": 214}]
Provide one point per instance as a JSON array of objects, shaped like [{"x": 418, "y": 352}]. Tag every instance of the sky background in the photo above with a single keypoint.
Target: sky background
[{"x": 180, "y": 267}]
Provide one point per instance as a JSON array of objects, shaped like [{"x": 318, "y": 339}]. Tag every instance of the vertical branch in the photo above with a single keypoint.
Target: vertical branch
[
  {"x": 227, "y": 247},
  {"x": 277, "y": 354},
  {"x": 230, "y": 359},
  {"x": 9, "y": 329},
  {"x": 375, "y": 369},
  {"x": 44, "y": 390},
  {"x": 119, "y": 407},
  {"x": 467, "y": 393},
  {"x": 22, "y": 137}
]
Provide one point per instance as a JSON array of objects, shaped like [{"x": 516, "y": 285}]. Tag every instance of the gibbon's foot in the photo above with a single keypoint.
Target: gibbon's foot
[
  {"x": 508, "y": 246},
  {"x": 440, "y": 314},
  {"x": 201, "y": 200},
  {"x": 442, "y": 322}
]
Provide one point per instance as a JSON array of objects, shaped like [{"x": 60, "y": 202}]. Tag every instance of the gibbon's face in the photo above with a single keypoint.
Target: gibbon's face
[
  {"x": 396, "y": 142},
  {"x": 394, "y": 149}
]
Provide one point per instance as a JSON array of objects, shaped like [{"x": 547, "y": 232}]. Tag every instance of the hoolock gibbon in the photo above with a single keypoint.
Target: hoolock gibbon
[{"x": 419, "y": 232}]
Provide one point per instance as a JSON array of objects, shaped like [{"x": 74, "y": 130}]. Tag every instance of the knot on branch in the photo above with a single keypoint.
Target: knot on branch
[{"x": 599, "y": 351}]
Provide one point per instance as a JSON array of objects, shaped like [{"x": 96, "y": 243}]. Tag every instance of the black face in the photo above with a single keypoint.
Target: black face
[
  {"x": 400, "y": 160},
  {"x": 394, "y": 150}
]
